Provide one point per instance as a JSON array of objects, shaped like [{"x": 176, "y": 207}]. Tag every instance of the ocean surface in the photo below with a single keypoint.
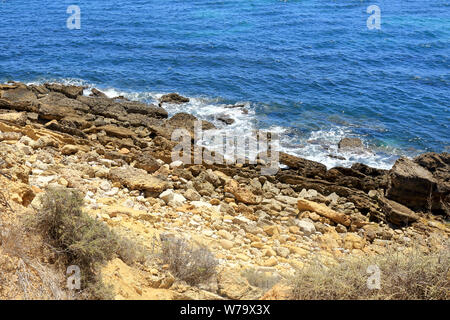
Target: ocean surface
[{"x": 310, "y": 70}]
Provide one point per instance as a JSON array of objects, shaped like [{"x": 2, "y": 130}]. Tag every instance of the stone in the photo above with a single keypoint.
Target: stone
[
  {"x": 306, "y": 227},
  {"x": 192, "y": 195},
  {"x": 174, "y": 98},
  {"x": 226, "y": 244},
  {"x": 421, "y": 184},
  {"x": 137, "y": 179},
  {"x": 241, "y": 194},
  {"x": 69, "y": 149},
  {"x": 323, "y": 210}
]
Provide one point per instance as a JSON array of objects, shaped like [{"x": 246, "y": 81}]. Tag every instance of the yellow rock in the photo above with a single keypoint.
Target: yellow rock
[
  {"x": 271, "y": 262},
  {"x": 323, "y": 210}
]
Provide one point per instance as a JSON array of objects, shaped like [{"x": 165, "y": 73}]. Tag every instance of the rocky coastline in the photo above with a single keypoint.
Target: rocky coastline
[{"x": 118, "y": 154}]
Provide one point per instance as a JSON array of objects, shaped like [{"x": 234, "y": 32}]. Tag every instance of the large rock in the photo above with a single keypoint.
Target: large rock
[
  {"x": 304, "y": 167},
  {"x": 70, "y": 91},
  {"x": 323, "y": 210},
  {"x": 397, "y": 213},
  {"x": 173, "y": 98},
  {"x": 20, "y": 93},
  {"x": 137, "y": 179},
  {"x": 240, "y": 193},
  {"x": 422, "y": 184}
]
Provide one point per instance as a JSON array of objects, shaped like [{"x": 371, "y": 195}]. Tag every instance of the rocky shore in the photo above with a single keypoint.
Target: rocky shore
[{"x": 118, "y": 154}]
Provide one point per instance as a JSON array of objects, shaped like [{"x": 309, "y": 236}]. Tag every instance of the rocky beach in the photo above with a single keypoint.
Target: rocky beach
[{"x": 259, "y": 230}]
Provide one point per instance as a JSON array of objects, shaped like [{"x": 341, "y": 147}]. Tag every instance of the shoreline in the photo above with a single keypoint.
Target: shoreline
[
  {"x": 320, "y": 146},
  {"x": 117, "y": 153}
]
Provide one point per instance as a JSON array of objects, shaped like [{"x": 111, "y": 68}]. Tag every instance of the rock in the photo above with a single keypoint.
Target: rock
[
  {"x": 353, "y": 241},
  {"x": 234, "y": 286},
  {"x": 397, "y": 213},
  {"x": 97, "y": 93},
  {"x": 350, "y": 143},
  {"x": 192, "y": 195},
  {"x": 18, "y": 118},
  {"x": 241, "y": 194},
  {"x": 113, "y": 131},
  {"x": 69, "y": 149},
  {"x": 226, "y": 244},
  {"x": 137, "y": 179},
  {"x": 305, "y": 167},
  {"x": 422, "y": 184},
  {"x": 176, "y": 164},
  {"x": 70, "y": 91},
  {"x": 225, "y": 119},
  {"x": 306, "y": 227},
  {"x": 173, "y": 98},
  {"x": 323, "y": 210},
  {"x": 278, "y": 292},
  {"x": 147, "y": 162},
  {"x": 169, "y": 196}
]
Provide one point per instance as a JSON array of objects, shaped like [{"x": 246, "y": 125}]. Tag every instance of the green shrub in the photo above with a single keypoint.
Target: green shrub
[
  {"x": 193, "y": 264},
  {"x": 82, "y": 240}
]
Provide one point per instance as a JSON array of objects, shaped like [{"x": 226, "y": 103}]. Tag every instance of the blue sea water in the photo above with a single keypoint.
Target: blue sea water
[{"x": 310, "y": 70}]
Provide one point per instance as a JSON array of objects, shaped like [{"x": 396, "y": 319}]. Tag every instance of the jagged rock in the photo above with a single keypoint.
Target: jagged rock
[
  {"x": 304, "y": 167},
  {"x": 397, "y": 213},
  {"x": 18, "y": 94},
  {"x": 70, "y": 91},
  {"x": 97, "y": 93},
  {"x": 146, "y": 161},
  {"x": 422, "y": 184},
  {"x": 173, "y": 98}
]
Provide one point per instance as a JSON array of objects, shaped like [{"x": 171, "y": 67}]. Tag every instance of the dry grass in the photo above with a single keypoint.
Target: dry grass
[
  {"x": 193, "y": 264},
  {"x": 76, "y": 238},
  {"x": 408, "y": 275},
  {"x": 259, "y": 279}
]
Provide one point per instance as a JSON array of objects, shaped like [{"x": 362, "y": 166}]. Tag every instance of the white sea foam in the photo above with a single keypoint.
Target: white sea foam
[{"x": 317, "y": 145}]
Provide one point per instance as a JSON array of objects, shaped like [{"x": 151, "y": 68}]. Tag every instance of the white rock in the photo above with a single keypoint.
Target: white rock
[
  {"x": 105, "y": 185},
  {"x": 176, "y": 164},
  {"x": 306, "y": 226}
]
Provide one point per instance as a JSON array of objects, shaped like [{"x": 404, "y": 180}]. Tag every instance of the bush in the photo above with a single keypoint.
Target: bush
[
  {"x": 408, "y": 275},
  {"x": 82, "y": 240},
  {"x": 187, "y": 262},
  {"x": 263, "y": 280},
  {"x": 130, "y": 251}
]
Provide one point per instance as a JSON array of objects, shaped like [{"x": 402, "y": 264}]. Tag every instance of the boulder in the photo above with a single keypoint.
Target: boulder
[
  {"x": 304, "y": 167},
  {"x": 422, "y": 184},
  {"x": 70, "y": 91},
  {"x": 137, "y": 179},
  {"x": 323, "y": 210},
  {"x": 173, "y": 98},
  {"x": 350, "y": 143}
]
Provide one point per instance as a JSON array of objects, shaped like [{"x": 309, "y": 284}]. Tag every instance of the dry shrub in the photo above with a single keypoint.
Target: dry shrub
[
  {"x": 78, "y": 238},
  {"x": 259, "y": 279},
  {"x": 131, "y": 251},
  {"x": 193, "y": 264},
  {"x": 408, "y": 275}
]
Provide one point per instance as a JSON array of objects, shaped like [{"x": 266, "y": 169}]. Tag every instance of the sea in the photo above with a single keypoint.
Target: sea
[{"x": 311, "y": 71}]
